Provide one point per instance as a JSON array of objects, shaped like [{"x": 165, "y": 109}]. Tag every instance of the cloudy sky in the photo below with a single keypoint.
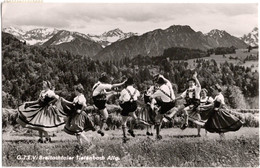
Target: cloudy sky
[{"x": 96, "y": 18}]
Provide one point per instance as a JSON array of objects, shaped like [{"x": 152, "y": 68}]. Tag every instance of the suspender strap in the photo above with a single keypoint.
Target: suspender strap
[
  {"x": 170, "y": 96},
  {"x": 193, "y": 94},
  {"x": 131, "y": 95},
  {"x": 95, "y": 86}
]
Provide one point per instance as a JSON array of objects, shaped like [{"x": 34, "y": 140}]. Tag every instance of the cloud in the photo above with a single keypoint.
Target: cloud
[
  {"x": 234, "y": 9},
  {"x": 91, "y": 17}
]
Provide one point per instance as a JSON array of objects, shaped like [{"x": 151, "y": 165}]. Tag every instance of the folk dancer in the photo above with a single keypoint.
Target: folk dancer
[
  {"x": 165, "y": 99},
  {"x": 42, "y": 114},
  {"x": 79, "y": 121},
  {"x": 100, "y": 97},
  {"x": 128, "y": 98},
  {"x": 192, "y": 98}
]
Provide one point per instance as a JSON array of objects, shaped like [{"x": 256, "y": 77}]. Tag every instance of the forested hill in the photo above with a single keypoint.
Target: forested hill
[{"x": 25, "y": 67}]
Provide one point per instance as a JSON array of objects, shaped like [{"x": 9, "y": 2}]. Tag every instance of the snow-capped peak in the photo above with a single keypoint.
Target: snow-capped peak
[
  {"x": 111, "y": 36},
  {"x": 41, "y": 33},
  {"x": 216, "y": 32},
  {"x": 35, "y": 36},
  {"x": 83, "y": 35},
  {"x": 115, "y": 32},
  {"x": 14, "y": 31},
  {"x": 38, "y": 36},
  {"x": 44, "y": 30},
  {"x": 251, "y": 38}
]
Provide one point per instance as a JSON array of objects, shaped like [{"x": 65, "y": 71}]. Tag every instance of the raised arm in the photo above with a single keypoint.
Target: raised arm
[
  {"x": 118, "y": 84},
  {"x": 196, "y": 79},
  {"x": 166, "y": 80}
]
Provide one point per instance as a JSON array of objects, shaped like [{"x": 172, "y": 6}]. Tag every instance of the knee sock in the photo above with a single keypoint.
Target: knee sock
[
  {"x": 157, "y": 126},
  {"x": 124, "y": 130}
]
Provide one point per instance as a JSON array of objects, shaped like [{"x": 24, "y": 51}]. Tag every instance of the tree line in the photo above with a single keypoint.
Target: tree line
[{"x": 25, "y": 67}]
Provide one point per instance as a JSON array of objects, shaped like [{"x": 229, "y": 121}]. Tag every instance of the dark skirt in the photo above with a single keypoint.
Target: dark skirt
[
  {"x": 44, "y": 117},
  {"x": 200, "y": 116},
  {"x": 147, "y": 99},
  {"x": 221, "y": 121},
  {"x": 194, "y": 103},
  {"x": 147, "y": 115},
  {"x": 78, "y": 123},
  {"x": 205, "y": 113}
]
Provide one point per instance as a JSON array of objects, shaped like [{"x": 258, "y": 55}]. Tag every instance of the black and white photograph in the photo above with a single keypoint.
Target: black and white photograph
[{"x": 130, "y": 84}]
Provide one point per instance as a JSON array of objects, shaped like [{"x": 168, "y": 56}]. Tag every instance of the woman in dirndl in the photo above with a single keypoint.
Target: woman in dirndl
[
  {"x": 220, "y": 120},
  {"x": 43, "y": 114},
  {"x": 79, "y": 121},
  {"x": 149, "y": 114},
  {"x": 203, "y": 109}
]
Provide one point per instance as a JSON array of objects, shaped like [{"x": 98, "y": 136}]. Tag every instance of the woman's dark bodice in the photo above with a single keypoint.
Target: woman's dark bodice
[
  {"x": 46, "y": 100},
  {"x": 77, "y": 106},
  {"x": 146, "y": 99},
  {"x": 217, "y": 104},
  {"x": 207, "y": 102}
]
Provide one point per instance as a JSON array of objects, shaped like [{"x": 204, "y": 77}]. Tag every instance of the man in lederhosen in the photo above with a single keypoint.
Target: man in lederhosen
[
  {"x": 192, "y": 98},
  {"x": 165, "y": 99},
  {"x": 100, "y": 96},
  {"x": 128, "y": 98}
]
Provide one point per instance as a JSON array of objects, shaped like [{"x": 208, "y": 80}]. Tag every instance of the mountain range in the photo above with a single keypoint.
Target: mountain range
[
  {"x": 111, "y": 36},
  {"x": 39, "y": 36},
  {"x": 75, "y": 42},
  {"x": 116, "y": 44},
  {"x": 155, "y": 42},
  {"x": 251, "y": 38}
]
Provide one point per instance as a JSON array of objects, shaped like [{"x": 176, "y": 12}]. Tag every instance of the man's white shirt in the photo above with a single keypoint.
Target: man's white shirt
[
  {"x": 125, "y": 96},
  {"x": 167, "y": 88},
  {"x": 100, "y": 87}
]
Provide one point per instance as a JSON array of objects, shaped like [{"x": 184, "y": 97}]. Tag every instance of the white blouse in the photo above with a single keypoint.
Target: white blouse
[
  {"x": 220, "y": 98},
  {"x": 206, "y": 99},
  {"x": 48, "y": 93},
  {"x": 80, "y": 99}
]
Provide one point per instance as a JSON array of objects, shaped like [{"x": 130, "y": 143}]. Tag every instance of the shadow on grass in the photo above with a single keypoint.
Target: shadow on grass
[
  {"x": 29, "y": 141},
  {"x": 21, "y": 141},
  {"x": 184, "y": 136}
]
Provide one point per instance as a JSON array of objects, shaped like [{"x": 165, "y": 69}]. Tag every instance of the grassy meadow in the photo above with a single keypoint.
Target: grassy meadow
[
  {"x": 241, "y": 54},
  {"x": 177, "y": 148}
]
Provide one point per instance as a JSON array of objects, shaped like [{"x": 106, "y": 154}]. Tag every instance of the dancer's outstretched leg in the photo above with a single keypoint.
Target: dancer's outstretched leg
[
  {"x": 104, "y": 116},
  {"x": 124, "y": 120},
  {"x": 158, "y": 120}
]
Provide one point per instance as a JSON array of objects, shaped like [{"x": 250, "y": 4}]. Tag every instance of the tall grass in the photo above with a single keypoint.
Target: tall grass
[{"x": 238, "y": 152}]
